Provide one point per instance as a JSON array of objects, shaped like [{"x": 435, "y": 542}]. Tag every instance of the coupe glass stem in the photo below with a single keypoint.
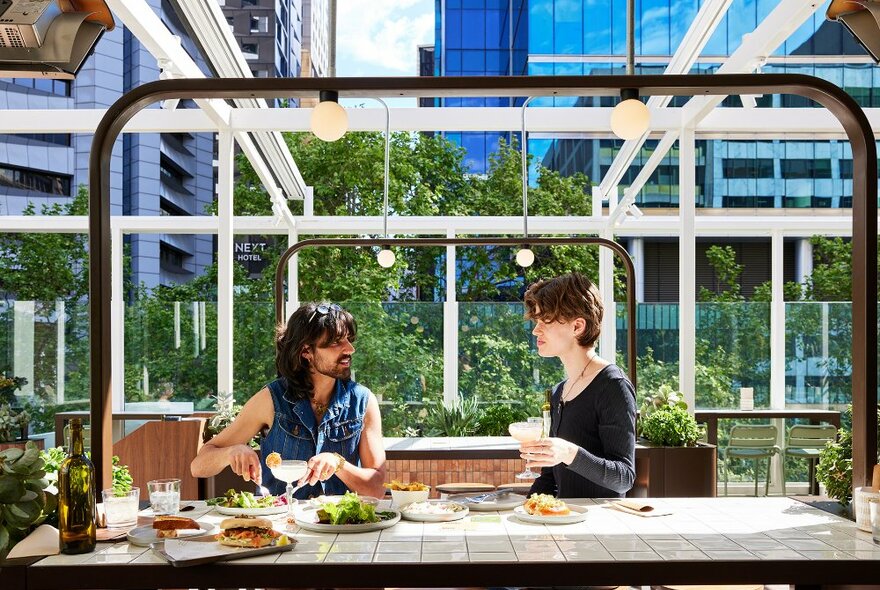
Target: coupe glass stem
[{"x": 289, "y": 492}]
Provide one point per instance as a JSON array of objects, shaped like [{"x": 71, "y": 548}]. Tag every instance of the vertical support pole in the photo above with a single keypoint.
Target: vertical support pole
[
  {"x": 23, "y": 352},
  {"x": 176, "y": 325},
  {"x": 61, "y": 352},
  {"x": 608, "y": 336},
  {"x": 777, "y": 348},
  {"x": 196, "y": 319},
  {"x": 637, "y": 253},
  {"x": 117, "y": 322},
  {"x": 450, "y": 330},
  {"x": 597, "y": 201},
  {"x": 309, "y": 202},
  {"x": 224, "y": 263},
  {"x": 687, "y": 250},
  {"x": 777, "y": 324},
  {"x": 293, "y": 273}
]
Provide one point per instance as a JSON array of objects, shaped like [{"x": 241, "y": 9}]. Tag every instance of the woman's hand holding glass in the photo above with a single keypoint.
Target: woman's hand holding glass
[{"x": 547, "y": 452}]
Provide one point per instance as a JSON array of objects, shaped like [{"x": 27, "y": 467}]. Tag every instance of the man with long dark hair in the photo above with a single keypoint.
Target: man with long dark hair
[{"x": 313, "y": 412}]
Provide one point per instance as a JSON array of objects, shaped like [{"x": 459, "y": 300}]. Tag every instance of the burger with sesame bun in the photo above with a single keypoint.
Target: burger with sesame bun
[{"x": 247, "y": 531}]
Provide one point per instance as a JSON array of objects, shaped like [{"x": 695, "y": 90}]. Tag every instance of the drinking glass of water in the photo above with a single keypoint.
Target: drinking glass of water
[{"x": 164, "y": 495}]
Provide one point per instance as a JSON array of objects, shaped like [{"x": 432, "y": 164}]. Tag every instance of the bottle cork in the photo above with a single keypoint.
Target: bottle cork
[{"x": 875, "y": 480}]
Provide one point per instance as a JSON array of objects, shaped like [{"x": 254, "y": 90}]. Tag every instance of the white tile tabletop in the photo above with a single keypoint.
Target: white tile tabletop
[{"x": 697, "y": 529}]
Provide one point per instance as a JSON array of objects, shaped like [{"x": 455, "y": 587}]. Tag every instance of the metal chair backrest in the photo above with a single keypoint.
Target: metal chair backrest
[
  {"x": 804, "y": 436},
  {"x": 748, "y": 436}
]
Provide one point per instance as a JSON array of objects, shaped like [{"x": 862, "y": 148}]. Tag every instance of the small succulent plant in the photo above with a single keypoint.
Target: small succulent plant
[{"x": 24, "y": 502}]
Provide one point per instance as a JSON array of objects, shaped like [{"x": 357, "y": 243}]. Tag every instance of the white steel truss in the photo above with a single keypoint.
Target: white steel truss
[
  {"x": 572, "y": 122},
  {"x": 767, "y": 36},
  {"x": 267, "y": 152}
]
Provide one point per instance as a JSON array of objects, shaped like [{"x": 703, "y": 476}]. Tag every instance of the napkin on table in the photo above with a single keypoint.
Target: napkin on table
[
  {"x": 637, "y": 507},
  {"x": 44, "y": 540}
]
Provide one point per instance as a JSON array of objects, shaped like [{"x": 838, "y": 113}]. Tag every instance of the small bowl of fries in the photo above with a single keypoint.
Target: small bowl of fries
[{"x": 403, "y": 494}]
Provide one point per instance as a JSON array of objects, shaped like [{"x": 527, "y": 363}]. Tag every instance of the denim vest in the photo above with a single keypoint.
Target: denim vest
[{"x": 295, "y": 433}]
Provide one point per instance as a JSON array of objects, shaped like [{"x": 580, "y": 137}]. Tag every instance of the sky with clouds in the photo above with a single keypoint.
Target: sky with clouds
[{"x": 381, "y": 37}]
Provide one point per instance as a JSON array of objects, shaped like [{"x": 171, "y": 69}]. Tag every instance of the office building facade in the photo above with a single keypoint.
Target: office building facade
[
  {"x": 759, "y": 177},
  {"x": 270, "y": 34},
  {"x": 151, "y": 174},
  {"x": 560, "y": 37}
]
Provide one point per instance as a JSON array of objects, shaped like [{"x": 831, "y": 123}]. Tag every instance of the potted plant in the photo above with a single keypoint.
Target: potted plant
[
  {"x": 24, "y": 500},
  {"x": 13, "y": 422},
  {"x": 678, "y": 464},
  {"x": 834, "y": 471}
]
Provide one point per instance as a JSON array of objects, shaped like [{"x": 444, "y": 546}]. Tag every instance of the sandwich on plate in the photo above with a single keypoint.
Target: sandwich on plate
[
  {"x": 247, "y": 531},
  {"x": 166, "y": 526}
]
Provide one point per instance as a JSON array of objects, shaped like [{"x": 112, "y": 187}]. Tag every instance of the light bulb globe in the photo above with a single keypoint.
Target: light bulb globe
[
  {"x": 525, "y": 257},
  {"x": 329, "y": 120},
  {"x": 630, "y": 119},
  {"x": 385, "y": 258}
]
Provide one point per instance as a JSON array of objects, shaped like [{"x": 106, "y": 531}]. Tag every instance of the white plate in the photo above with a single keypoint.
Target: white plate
[
  {"x": 143, "y": 536},
  {"x": 251, "y": 511},
  {"x": 307, "y": 519},
  {"x": 505, "y": 502},
  {"x": 445, "y": 517},
  {"x": 578, "y": 514}
]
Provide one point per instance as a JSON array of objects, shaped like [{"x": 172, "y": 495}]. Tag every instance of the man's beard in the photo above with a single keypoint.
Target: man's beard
[{"x": 333, "y": 369}]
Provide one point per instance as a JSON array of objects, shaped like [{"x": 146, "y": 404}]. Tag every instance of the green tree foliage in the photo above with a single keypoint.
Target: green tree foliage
[{"x": 46, "y": 268}]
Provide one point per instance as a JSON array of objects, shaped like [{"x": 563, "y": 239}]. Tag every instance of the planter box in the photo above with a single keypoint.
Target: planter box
[
  {"x": 19, "y": 444},
  {"x": 675, "y": 472}
]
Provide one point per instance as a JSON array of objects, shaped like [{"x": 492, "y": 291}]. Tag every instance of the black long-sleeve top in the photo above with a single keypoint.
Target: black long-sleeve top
[{"x": 601, "y": 421}]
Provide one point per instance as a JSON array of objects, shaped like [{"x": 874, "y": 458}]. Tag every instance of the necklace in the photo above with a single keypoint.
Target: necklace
[
  {"x": 320, "y": 409},
  {"x": 566, "y": 394}
]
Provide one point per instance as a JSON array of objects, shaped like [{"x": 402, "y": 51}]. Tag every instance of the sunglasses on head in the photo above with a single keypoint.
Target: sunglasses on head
[{"x": 324, "y": 309}]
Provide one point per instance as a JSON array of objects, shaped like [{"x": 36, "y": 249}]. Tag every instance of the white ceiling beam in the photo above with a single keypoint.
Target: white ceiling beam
[
  {"x": 778, "y": 123},
  {"x": 224, "y": 56},
  {"x": 767, "y": 36},
  {"x": 742, "y": 222}
]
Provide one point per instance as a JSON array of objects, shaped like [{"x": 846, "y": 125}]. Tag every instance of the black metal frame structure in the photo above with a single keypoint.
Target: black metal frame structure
[
  {"x": 281, "y": 267},
  {"x": 841, "y": 105}
]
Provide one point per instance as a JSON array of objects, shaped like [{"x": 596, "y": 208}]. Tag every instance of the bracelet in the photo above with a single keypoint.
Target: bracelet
[{"x": 340, "y": 462}]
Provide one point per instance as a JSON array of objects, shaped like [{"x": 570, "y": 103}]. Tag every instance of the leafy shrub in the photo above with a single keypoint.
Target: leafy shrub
[
  {"x": 459, "y": 420},
  {"x": 671, "y": 426},
  {"x": 834, "y": 470},
  {"x": 495, "y": 419},
  {"x": 24, "y": 503},
  {"x": 121, "y": 478},
  {"x": 665, "y": 397}
]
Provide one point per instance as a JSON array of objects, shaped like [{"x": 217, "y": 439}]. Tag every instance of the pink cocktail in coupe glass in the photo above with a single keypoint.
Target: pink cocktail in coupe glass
[{"x": 526, "y": 432}]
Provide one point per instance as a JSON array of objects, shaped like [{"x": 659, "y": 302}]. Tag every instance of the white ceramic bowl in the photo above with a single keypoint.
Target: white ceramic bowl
[{"x": 400, "y": 498}]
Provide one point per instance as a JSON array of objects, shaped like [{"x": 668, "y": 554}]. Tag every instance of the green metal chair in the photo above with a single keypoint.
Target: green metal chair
[
  {"x": 755, "y": 442},
  {"x": 805, "y": 442}
]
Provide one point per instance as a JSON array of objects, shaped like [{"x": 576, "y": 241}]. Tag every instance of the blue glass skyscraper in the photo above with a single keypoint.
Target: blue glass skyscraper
[{"x": 580, "y": 37}]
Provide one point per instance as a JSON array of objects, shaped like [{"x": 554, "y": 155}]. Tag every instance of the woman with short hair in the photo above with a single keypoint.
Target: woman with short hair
[{"x": 590, "y": 452}]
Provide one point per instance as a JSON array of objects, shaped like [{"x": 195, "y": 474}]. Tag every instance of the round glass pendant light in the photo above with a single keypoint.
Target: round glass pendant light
[
  {"x": 329, "y": 119},
  {"x": 386, "y": 257},
  {"x": 525, "y": 257},
  {"x": 631, "y": 117}
]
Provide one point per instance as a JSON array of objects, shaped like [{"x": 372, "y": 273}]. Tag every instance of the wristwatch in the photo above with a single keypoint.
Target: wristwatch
[{"x": 340, "y": 461}]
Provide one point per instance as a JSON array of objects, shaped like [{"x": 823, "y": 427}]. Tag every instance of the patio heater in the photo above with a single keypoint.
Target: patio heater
[{"x": 49, "y": 39}]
